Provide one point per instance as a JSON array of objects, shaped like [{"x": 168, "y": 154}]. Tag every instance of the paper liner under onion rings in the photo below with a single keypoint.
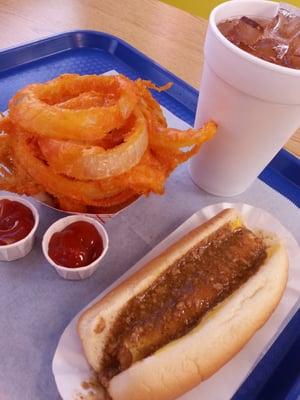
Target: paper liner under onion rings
[{"x": 92, "y": 165}]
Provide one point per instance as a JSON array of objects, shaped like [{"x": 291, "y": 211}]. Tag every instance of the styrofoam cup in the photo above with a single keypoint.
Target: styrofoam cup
[
  {"x": 14, "y": 251},
  {"x": 255, "y": 103},
  {"x": 81, "y": 272}
]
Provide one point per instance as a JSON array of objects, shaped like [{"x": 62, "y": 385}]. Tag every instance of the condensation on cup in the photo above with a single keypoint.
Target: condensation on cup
[{"x": 255, "y": 103}]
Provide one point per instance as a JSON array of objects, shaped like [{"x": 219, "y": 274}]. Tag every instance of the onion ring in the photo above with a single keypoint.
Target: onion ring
[
  {"x": 87, "y": 162},
  {"x": 120, "y": 198},
  {"x": 59, "y": 185},
  {"x": 84, "y": 100},
  {"x": 14, "y": 178},
  {"x": 105, "y": 205},
  {"x": 66, "y": 204},
  {"x": 149, "y": 106},
  {"x": 35, "y": 108},
  {"x": 92, "y": 142},
  {"x": 174, "y": 138},
  {"x": 148, "y": 175},
  {"x": 113, "y": 208}
]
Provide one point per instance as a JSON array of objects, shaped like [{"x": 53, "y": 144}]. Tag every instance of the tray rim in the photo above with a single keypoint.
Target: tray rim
[{"x": 45, "y": 39}]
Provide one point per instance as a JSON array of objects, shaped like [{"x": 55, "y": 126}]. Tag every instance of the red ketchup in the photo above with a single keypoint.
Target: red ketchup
[
  {"x": 16, "y": 221},
  {"x": 77, "y": 245}
]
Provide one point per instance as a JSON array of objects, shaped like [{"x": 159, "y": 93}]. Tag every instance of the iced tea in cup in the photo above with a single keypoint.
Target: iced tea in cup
[{"x": 256, "y": 103}]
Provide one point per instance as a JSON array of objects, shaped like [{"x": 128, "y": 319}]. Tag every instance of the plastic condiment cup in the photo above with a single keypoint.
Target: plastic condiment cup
[
  {"x": 255, "y": 103},
  {"x": 81, "y": 272},
  {"x": 14, "y": 251}
]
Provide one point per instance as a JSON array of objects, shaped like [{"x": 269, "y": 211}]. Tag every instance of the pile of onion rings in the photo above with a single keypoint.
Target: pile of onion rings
[{"x": 91, "y": 142}]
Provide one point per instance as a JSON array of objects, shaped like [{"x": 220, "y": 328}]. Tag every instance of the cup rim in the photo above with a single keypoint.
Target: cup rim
[
  {"x": 242, "y": 53},
  {"x": 36, "y": 218},
  {"x": 67, "y": 221}
]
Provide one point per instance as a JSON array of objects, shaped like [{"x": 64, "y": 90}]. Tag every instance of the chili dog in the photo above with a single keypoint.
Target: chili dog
[{"x": 186, "y": 313}]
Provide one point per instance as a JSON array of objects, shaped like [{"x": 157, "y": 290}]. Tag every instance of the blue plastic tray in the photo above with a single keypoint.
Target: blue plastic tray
[{"x": 88, "y": 52}]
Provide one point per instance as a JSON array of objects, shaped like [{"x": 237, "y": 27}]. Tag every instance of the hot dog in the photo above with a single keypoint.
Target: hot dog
[{"x": 186, "y": 313}]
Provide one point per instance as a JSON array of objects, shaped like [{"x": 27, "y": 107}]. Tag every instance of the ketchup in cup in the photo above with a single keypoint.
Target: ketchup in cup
[
  {"x": 77, "y": 245},
  {"x": 16, "y": 221}
]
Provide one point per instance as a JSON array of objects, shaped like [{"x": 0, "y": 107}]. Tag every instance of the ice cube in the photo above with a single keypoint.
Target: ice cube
[
  {"x": 226, "y": 26},
  {"x": 270, "y": 49},
  {"x": 294, "y": 45},
  {"x": 295, "y": 62},
  {"x": 286, "y": 24},
  {"x": 292, "y": 58},
  {"x": 246, "y": 32}
]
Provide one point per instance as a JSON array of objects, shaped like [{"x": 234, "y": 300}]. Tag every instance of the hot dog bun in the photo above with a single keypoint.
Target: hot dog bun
[{"x": 183, "y": 363}]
